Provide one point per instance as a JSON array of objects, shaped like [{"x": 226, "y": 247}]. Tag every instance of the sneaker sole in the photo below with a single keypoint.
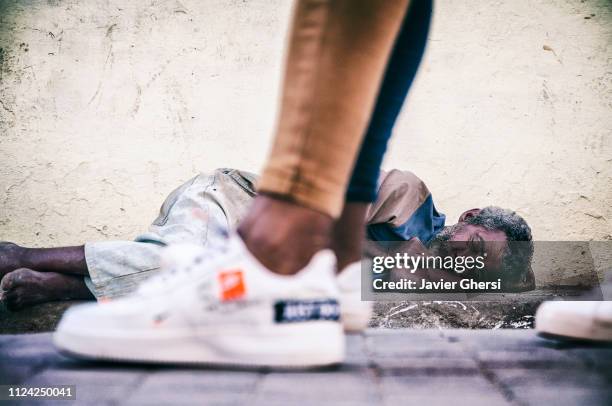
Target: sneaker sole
[
  {"x": 570, "y": 327},
  {"x": 568, "y": 339},
  {"x": 296, "y": 347}
]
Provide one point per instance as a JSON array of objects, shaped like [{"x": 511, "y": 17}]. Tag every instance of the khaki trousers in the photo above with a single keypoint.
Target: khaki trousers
[{"x": 338, "y": 51}]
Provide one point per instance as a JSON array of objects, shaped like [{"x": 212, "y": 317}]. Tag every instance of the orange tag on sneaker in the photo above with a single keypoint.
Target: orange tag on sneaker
[{"x": 232, "y": 284}]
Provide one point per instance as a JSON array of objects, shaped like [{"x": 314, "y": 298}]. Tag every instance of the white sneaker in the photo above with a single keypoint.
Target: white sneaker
[
  {"x": 176, "y": 260},
  {"x": 354, "y": 312},
  {"x": 575, "y": 320},
  {"x": 227, "y": 310}
]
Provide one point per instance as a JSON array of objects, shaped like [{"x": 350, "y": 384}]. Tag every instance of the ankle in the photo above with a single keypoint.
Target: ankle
[
  {"x": 282, "y": 235},
  {"x": 25, "y": 257},
  {"x": 11, "y": 256},
  {"x": 348, "y": 234},
  {"x": 346, "y": 257},
  {"x": 348, "y": 249}
]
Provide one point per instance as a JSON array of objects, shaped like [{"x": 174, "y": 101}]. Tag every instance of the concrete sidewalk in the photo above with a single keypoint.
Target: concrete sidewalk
[{"x": 391, "y": 367}]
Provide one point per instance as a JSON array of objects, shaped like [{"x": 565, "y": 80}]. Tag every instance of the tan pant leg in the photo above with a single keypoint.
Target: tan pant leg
[{"x": 337, "y": 55}]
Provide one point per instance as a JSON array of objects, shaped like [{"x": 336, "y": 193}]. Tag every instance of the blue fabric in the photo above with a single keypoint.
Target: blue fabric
[
  {"x": 400, "y": 72},
  {"x": 424, "y": 224}
]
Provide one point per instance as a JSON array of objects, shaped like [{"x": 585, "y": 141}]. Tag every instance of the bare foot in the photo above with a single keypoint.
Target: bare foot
[
  {"x": 10, "y": 257},
  {"x": 24, "y": 287}
]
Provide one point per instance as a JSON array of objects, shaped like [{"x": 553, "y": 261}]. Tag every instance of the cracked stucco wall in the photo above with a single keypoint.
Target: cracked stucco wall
[{"x": 106, "y": 106}]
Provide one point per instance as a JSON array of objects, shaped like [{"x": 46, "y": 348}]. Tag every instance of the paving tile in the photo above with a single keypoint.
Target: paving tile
[
  {"x": 476, "y": 367},
  {"x": 404, "y": 343},
  {"x": 595, "y": 356},
  {"x": 407, "y": 349},
  {"x": 561, "y": 396},
  {"x": 25, "y": 345},
  {"x": 93, "y": 385},
  {"x": 314, "y": 401},
  {"x": 17, "y": 352},
  {"x": 430, "y": 366},
  {"x": 335, "y": 386},
  {"x": 435, "y": 398},
  {"x": 356, "y": 354},
  {"x": 442, "y": 390},
  {"x": 12, "y": 373},
  {"x": 168, "y": 383},
  {"x": 415, "y": 335},
  {"x": 558, "y": 386},
  {"x": 508, "y": 339},
  {"x": 527, "y": 358},
  {"x": 187, "y": 398},
  {"x": 552, "y": 377},
  {"x": 24, "y": 355},
  {"x": 7, "y": 338}
]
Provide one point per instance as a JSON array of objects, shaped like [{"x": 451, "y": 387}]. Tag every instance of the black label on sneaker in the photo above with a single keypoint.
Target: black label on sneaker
[{"x": 292, "y": 311}]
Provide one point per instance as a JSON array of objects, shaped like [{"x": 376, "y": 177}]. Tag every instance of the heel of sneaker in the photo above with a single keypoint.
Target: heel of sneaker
[{"x": 355, "y": 323}]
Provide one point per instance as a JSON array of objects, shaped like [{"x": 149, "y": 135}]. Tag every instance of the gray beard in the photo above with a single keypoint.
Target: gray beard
[
  {"x": 437, "y": 244},
  {"x": 446, "y": 234}
]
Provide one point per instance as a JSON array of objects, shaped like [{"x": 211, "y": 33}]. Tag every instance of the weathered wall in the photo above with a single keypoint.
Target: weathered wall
[{"x": 107, "y": 105}]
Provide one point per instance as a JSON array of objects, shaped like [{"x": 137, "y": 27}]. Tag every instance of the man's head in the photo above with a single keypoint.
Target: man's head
[{"x": 496, "y": 232}]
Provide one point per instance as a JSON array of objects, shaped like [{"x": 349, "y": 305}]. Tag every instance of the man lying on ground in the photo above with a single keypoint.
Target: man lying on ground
[{"x": 202, "y": 210}]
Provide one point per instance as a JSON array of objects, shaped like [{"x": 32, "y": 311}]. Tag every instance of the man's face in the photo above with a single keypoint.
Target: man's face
[
  {"x": 478, "y": 240},
  {"x": 465, "y": 239}
]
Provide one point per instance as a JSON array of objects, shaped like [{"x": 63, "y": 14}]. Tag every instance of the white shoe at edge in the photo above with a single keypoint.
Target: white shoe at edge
[{"x": 224, "y": 310}]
